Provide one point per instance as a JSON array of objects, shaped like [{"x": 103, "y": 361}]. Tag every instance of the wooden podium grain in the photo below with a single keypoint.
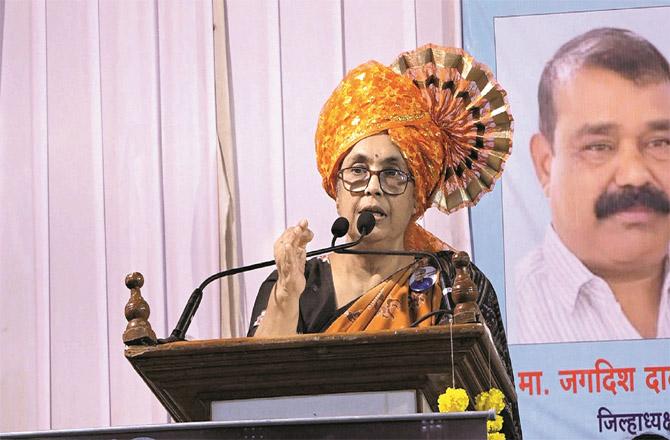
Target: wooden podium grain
[{"x": 187, "y": 376}]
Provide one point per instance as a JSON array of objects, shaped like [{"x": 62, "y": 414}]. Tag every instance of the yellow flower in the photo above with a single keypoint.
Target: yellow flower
[
  {"x": 494, "y": 425},
  {"x": 493, "y": 399},
  {"x": 452, "y": 400},
  {"x": 456, "y": 399}
]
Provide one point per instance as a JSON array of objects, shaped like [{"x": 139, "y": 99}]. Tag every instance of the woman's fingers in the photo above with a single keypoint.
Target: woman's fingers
[
  {"x": 289, "y": 249},
  {"x": 299, "y": 235}
]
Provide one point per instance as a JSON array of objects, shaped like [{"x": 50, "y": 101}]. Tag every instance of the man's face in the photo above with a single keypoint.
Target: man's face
[
  {"x": 607, "y": 174},
  {"x": 392, "y": 212}
]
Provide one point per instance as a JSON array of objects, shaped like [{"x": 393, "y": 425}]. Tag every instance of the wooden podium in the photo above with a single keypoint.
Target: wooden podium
[{"x": 187, "y": 376}]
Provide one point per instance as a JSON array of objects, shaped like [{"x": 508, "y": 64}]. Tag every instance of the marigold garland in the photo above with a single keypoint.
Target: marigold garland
[
  {"x": 493, "y": 399},
  {"x": 494, "y": 425},
  {"x": 453, "y": 400},
  {"x": 456, "y": 399}
]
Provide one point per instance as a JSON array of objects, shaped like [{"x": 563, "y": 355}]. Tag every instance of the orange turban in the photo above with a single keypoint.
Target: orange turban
[{"x": 373, "y": 98}]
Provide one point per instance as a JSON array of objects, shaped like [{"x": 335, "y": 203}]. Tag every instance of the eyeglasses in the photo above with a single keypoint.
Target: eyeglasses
[{"x": 392, "y": 181}]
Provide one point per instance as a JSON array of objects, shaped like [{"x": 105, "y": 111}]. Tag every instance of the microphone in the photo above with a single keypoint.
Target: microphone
[
  {"x": 365, "y": 223},
  {"x": 364, "y": 226},
  {"x": 339, "y": 229}
]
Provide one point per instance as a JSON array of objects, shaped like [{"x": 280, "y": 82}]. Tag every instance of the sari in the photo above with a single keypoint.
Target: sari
[{"x": 389, "y": 305}]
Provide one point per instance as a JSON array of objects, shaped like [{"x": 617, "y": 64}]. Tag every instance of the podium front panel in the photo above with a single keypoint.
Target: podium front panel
[{"x": 449, "y": 426}]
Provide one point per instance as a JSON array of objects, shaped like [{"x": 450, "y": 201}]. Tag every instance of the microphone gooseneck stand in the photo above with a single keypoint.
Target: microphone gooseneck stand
[{"x": 365, "y": 224}]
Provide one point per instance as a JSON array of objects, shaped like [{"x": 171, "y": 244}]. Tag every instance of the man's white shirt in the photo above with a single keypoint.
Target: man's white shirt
[{"x": 555, "y": 298}]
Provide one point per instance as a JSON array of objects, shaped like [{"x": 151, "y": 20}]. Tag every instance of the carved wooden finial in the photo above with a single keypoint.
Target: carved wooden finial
[
  {"x": 464, "y": 291},
  {"x": 138, "y": 331}
]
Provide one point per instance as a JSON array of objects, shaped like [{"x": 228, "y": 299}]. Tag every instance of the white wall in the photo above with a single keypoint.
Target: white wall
[
  {"x": 286, "y": 57},
  {"x": 108, "y": 165}
]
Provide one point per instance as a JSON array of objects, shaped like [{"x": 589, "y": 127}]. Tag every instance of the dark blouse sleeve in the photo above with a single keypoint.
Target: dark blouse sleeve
[
  {"x": 317, "y": 301},
  {"x": 488, "y": 305}
]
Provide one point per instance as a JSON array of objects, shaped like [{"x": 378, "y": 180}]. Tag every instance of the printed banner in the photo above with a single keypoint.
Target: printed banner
[{"x": 585, "y": 212}]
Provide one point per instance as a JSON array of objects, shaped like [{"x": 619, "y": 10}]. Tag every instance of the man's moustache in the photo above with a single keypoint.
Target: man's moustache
[{"x": 631, "y": 196}]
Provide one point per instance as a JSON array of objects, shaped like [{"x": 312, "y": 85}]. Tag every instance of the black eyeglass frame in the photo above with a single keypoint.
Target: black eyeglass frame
[{"x": 347, "y": 185}]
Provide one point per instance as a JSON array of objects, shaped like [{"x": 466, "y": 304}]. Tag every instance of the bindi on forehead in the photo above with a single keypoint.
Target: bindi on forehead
[{"x": 375, "y": 157}]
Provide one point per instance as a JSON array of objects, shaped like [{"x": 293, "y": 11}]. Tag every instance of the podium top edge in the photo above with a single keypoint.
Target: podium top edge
[{"x": 460, "y": 332}]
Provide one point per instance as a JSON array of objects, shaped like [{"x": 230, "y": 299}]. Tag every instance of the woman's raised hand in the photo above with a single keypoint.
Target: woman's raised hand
[
  {"x": 281, "y": 317},
  {"x": 290, "y": 255}
]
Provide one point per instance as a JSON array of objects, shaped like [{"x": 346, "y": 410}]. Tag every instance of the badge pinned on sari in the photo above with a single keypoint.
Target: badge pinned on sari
[{"x": 394, "y": 303}]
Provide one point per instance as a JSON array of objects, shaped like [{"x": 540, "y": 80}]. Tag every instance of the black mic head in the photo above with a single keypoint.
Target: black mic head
[
  {"x": 366, "y": 223},
  {"x": 340, "y": 227}
]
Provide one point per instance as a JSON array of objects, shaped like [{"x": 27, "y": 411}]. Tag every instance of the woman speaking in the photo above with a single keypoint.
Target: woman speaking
[{"x": 432, "y": 130}]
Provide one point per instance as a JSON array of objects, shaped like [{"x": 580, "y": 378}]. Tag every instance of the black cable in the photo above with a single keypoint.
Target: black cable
[{"x": 429, "y": 315}]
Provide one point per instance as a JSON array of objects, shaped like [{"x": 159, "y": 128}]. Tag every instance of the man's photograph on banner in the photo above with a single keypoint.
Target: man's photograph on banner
[{"x": 586, "y": 191}]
